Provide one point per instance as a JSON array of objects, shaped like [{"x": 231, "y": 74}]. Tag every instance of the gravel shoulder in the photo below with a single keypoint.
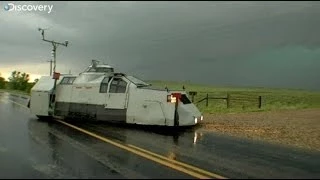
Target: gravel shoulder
[{"x": 300, "y": 128}]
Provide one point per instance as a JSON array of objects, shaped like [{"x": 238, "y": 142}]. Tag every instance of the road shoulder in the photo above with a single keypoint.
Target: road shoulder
[{"x": 299, "y": 128}]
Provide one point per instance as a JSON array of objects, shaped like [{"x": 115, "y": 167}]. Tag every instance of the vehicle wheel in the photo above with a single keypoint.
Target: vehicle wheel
[
  {"x": 44, "y": 118},
  {"x": 176, "y": 118}
]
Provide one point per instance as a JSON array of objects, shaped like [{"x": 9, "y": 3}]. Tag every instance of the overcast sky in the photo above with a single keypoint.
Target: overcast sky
[{"x": 271, "y": 44}]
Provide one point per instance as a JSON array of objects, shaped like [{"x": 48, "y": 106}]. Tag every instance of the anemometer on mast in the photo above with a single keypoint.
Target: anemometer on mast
[{"x": 54, "y": 45}]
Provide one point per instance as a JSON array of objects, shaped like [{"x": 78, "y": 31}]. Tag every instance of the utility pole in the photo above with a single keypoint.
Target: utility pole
[
  {"x": 54, "y": 45},
  {"x": 50, "y": 66}
]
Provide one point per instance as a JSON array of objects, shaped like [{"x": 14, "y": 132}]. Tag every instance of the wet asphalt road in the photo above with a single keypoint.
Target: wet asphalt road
[{"x": 30, "y": 148}]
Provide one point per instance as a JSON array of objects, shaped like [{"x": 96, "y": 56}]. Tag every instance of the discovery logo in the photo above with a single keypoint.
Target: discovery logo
[{"x": 28, "y": 7}]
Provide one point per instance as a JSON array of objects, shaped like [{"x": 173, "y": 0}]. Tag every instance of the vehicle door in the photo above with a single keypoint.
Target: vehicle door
[{"x": 117, "y": 94}]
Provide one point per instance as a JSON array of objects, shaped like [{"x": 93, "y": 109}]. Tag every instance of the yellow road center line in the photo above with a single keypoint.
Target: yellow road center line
[
  {"x": 179, "y": 163},
  {"x": 201, "y": 174},
  {"x": 147, "y": 156}
]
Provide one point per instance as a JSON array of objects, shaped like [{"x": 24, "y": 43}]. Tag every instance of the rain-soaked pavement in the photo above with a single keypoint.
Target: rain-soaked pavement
[{"x": 30, "y": 148}]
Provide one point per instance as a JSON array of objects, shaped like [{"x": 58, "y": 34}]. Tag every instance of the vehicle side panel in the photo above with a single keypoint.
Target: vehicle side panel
[{"x": 149, "y": 107}]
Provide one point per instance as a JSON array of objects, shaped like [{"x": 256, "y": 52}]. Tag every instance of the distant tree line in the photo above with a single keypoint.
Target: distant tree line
[
  {"x": 17, "y": 81},
  {"x": 2, "y": 82}
]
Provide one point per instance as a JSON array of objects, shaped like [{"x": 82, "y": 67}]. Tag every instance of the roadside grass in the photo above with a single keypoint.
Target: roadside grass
[
  {"x": 272, "y": 99},
  {"x": 245, "y": 99}
]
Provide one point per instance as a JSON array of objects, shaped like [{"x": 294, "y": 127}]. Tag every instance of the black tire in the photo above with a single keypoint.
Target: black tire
[
  {"x": 176, "y": 118},
  {"x": 44, "y": 118}
]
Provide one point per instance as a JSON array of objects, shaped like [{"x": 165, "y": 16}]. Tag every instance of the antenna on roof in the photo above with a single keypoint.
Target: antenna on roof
[
  {"x": 54, "y": 53},
  {"x": 54, "y": 44},
  {"x": 94, "y": 63},
  {"x": 166, "y": 89}
]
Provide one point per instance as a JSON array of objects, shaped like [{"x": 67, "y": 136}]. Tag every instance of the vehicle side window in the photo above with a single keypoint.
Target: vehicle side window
[
  {"x": 113, "y": 86},
  {"x": 71, "y": 80},
  {"x": 67, "y": 80},
  {"x": 118, "y": 86},
  {"x": 184, "y": 99},
  {"x": 104, "y": 85},
  {"x": 64, "y": 80},
  {"x": 122, "y": 86}
]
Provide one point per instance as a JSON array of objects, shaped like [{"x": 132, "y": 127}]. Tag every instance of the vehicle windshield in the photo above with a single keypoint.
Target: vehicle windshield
[
  {"x": 100, "y": 69},
  {"x": 137, "y": 81}
]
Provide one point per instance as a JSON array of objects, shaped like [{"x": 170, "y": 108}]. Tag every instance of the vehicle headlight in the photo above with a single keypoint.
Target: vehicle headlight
[
  {"x": 201, "y": 118},
  {"x": 196, "y": 120}
]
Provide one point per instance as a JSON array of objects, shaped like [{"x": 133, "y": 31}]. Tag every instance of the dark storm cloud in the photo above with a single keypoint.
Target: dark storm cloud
[{"x": 219, "y": 43}]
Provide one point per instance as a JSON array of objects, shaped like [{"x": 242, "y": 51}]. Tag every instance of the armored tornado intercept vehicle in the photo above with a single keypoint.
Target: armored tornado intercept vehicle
[{"x": 101, "y": 94}]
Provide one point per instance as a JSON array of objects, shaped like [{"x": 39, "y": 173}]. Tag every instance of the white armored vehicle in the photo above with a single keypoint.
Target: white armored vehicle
[{"x": 100, "y": 94}]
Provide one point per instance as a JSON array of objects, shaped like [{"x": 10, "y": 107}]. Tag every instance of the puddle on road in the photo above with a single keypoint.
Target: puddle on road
[
  {"x": 4, "y": 96},
  {"x": 47, "y": 169}
]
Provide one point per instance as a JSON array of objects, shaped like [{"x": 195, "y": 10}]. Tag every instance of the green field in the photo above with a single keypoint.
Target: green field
[
  {"x": 246, "y": 99},
  {"x": 241, "y": 99}
]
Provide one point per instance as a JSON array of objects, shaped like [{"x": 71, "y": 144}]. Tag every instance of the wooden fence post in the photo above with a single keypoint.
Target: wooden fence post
[
  {"x": 192, "y": 93},
  {"x": 228, "y": 100},
  {"x": 207, "y": 102},
  {"x": 260, "y": 102}
]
